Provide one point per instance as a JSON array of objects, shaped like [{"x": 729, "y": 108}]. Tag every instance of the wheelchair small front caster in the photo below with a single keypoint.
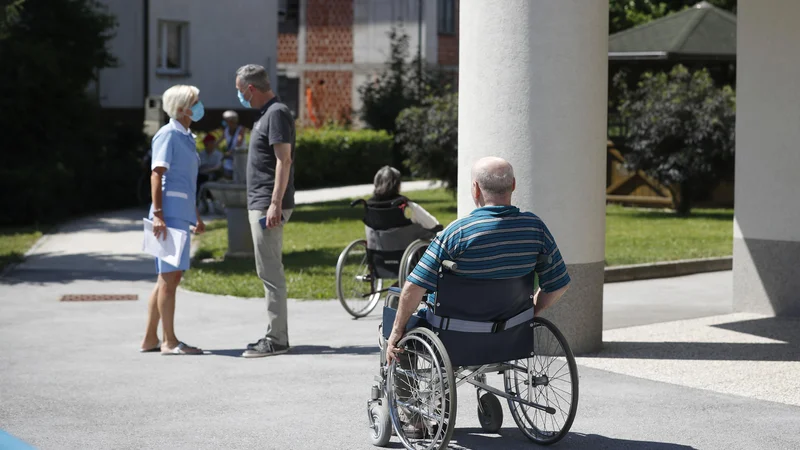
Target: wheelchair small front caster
[
  {"x": 490, "y": 413},
  {"x": 380, "y": 424}
]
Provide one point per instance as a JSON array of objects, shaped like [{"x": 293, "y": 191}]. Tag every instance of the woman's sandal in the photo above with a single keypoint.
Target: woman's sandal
[
  {"x": 182, "y": 349},
  {"x": 157, "y": 348}
]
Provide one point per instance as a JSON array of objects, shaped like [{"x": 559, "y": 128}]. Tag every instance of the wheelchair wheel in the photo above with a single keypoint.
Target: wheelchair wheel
[
  {"x": 490, "y": 413},
  {"x": 421, "y": 392},
  {"x": 549, "y": 378},
  {"x": 380, "y": 425},
  {"x": 356, "y": 284},
  {"x": 410, "y": 258}
]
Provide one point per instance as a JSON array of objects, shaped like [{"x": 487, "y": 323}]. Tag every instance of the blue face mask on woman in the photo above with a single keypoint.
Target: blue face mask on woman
[
  {"x": 245, "y": 103},
  {"x": 198, "y": 111}
]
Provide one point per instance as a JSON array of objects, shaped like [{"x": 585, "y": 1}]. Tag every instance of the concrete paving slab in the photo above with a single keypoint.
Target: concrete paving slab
[
  {"x": 644, "y": 302},
  {"x": 742, "y": 354}
]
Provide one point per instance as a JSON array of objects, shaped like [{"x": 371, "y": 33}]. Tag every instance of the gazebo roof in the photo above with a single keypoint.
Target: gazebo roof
[{"x": 701, "y": 32}]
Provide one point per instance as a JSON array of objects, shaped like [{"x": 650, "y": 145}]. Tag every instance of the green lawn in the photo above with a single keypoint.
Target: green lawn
[
  {"x": 636, "y": 235},
  {"x": 14, "y": 242},
  {"x": 317, "y": 234}
]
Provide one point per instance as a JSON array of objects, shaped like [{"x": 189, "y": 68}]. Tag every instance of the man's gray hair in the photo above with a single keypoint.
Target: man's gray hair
[
  {"x": 255, "y": 75},
  {"x": 387, "y": 183},
  {"x": 495, "y": 180}
]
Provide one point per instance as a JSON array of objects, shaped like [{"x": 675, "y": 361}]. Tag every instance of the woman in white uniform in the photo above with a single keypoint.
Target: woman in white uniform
[{"x": 173, "y": 187}]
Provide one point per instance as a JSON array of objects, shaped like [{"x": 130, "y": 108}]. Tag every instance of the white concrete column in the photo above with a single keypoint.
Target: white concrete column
[
  {"x": 766, "y": 250},
  {"x": 533, "y": 90}
]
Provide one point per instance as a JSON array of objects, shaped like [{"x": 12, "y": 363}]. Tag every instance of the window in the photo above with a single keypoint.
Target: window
[
  {"x": 288, "y": 16},
  {"x": 289, "y": 92},
  {"x": 447, "y": 17},
  {"x": 173, "y": 48}
]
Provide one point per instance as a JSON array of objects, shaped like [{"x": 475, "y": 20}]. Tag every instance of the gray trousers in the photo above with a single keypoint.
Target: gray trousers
[{"x": 268, "y": 246}]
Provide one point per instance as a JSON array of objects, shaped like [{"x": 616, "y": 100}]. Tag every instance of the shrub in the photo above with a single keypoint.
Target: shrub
[
  {"x": 680, "y": 131},
  {"x": 62, "y": 155},
  {"x": 336, "y": 157},
  {"x": 429, "y": 136}
]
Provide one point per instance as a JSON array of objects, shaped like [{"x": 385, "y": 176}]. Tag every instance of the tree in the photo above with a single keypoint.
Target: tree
[
  {"x": 429, "y": 136},
  {"x": 393, "y": 89},
  {"x": 402, "y": 84},
  {"x": 624, "y": 14},
  {"x": 680, "y": 131},
  {"x": 62, "y": 155}
]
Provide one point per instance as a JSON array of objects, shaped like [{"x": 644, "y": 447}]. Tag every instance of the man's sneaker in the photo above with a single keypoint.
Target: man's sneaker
[{"x": 264, "y": 347}]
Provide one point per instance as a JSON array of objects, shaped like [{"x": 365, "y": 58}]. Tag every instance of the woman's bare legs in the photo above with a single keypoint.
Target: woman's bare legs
[
  {"x": 153, "y": 317},
  {"x": 167, "y": 287}
]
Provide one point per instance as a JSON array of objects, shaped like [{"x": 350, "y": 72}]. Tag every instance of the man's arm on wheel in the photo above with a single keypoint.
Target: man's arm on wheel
[{"x": 409, "y": 300}]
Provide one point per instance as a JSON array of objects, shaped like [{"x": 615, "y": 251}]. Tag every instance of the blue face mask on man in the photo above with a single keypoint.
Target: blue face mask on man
[
  {"x": 243, "y": 101},
  {"x": 198, "y": 111}
]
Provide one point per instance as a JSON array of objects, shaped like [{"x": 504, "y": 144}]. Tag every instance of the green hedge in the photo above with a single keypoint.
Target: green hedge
[{"x": 337, "y": 157}]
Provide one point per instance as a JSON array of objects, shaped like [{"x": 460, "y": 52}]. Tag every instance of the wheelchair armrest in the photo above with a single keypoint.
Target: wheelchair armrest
[
  {"x": 416, "y": 320},
  {"x": 449, "y": 265},
  {"x": 398, "y": 201},
  {"x": 356, "y": 202},
  {"x": 437, "y": 228}
]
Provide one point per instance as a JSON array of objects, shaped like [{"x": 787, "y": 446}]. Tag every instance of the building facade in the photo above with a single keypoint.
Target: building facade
[
  {"x": 160, "y": 43},
  {"x": 327, "y": 49}
]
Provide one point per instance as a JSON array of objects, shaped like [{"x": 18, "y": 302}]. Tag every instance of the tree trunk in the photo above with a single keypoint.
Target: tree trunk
[{"x": 683, "y": 202}]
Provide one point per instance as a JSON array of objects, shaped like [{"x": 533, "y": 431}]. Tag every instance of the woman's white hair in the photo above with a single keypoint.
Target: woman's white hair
[{"x": 179, "y": 96}]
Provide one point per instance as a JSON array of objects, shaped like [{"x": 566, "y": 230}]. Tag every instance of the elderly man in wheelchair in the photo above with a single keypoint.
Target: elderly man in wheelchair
[
  {"x": 489, "y": 276},
  {"x": 397, "y": 233}
]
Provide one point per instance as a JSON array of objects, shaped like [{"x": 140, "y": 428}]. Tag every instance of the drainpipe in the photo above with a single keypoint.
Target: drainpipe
[
  {"x": 146, "y": 49},
  {"x": 419, "y": 48}
]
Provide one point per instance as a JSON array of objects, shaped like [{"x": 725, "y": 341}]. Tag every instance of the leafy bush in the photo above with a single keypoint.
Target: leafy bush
[
  {"x": 680, "y": 131},
  {"x": 337, "y": 157},
  {"x": 429, "y": 136}
]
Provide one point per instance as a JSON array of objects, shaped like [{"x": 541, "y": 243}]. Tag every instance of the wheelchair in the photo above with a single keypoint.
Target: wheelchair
[
  {"x": 451, "y": 343},
  {"x": 391, "y": 250}
]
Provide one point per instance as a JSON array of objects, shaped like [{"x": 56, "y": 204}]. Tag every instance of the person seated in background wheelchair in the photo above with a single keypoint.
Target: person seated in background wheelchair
[
  {"x": 392, "y": 221},
  {"x": 387, "y": 191},
  {"x": 495, "y": 241}
]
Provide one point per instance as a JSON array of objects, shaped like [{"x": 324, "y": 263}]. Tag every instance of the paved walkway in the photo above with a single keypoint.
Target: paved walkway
[{"x": 678, "y": 370}]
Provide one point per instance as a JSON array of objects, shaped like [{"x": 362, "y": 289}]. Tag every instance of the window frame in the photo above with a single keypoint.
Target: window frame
[
  {"x": 446, "y": 10},
  {"x": 288, "y": 24},
  {"x": 162, "y": 47}
]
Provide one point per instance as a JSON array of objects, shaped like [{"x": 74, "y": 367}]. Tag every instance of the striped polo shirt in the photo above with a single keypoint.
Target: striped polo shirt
[{"x": 494, "y": 242}]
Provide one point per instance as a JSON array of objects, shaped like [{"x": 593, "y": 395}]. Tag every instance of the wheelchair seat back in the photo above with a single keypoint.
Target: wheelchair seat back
[
  {"x": 388, "y": 233},
  {"x": 385, "y": 215},
  {"x": 493, "y": 302}
]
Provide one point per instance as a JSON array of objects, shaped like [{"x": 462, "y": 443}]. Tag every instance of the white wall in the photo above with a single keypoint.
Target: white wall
[
  {"x": 533, "y": 89},
  {"x": 768, "y": 121},
  {"x": 122, "y": 87},
  {"x": 373, "y": 19},
  {"x": 223, "y": 35}
]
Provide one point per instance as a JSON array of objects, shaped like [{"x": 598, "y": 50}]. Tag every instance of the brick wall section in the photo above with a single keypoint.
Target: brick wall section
[
  {"x": 329, "y": 32},
  {"x": 287, "y": 48},
  {"x": 332, "y": 95},
  {"x": 448, "y": 43}
]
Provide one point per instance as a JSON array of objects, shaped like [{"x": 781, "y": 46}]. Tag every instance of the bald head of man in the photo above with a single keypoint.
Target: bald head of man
[{"x": 492, "y": 182}]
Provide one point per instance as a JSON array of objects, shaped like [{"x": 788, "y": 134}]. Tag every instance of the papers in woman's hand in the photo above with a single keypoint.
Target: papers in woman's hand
[{"x": 170, "y": 249}]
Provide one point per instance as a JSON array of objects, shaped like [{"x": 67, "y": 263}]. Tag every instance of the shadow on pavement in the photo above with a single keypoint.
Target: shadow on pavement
[
  {"x": 45, "y": 268},
  {"x": 786, "y": 331},
  {"x": 309, "y": 350},
  {"x": 511, "y": 438}
]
